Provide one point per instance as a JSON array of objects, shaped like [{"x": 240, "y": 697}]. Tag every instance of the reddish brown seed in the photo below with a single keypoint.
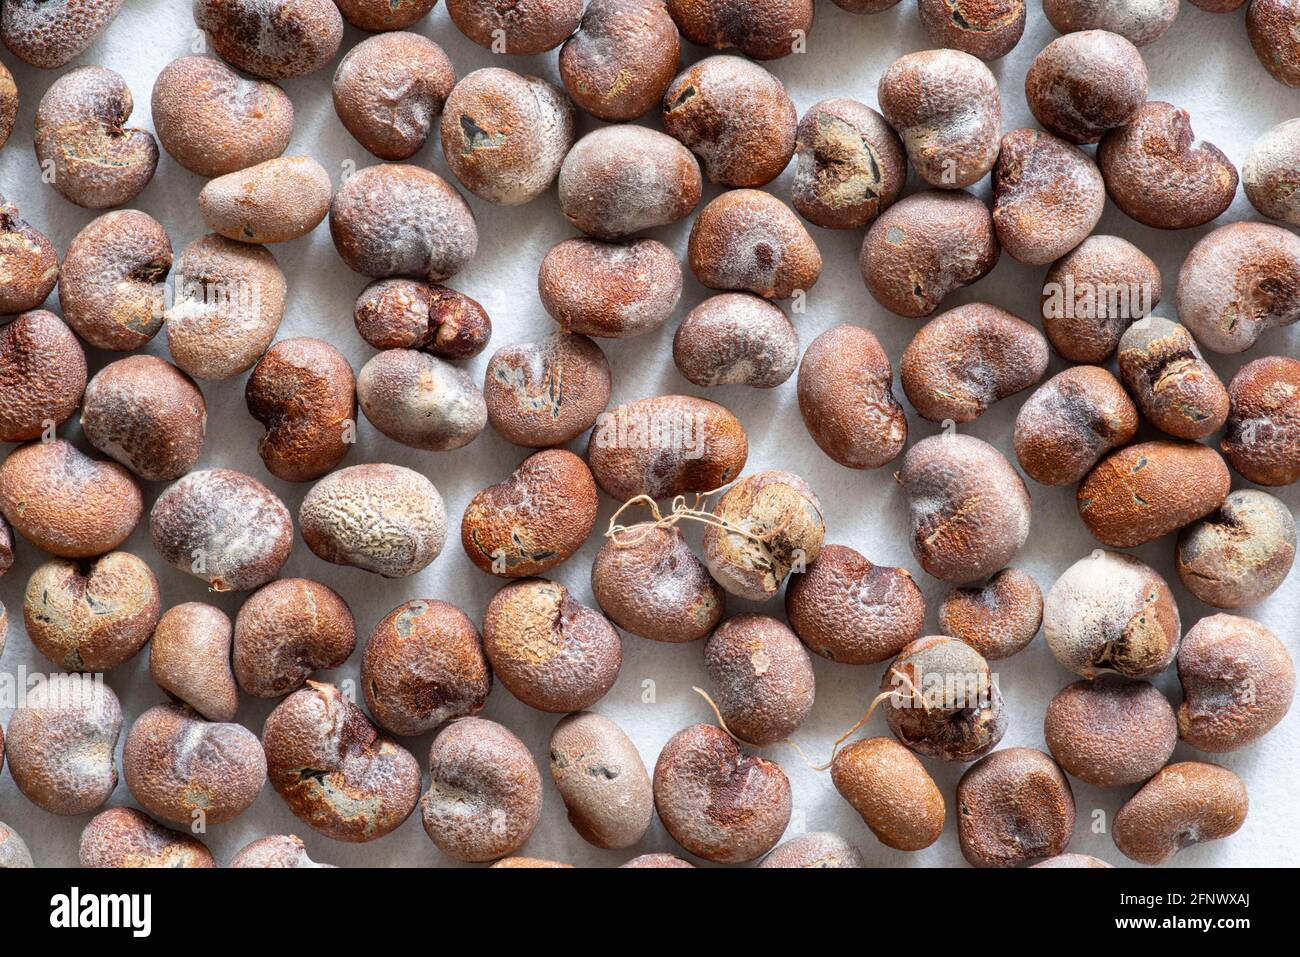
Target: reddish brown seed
[
  {"x": 520, "y": 27},
  {"x": 1158, "y": 173},
  {"x": 424, "y": 665},
  {"x": 817, "y": 850},
  {"x": 272, "y": 202},
  {"x": 285, "y": 631},
  {"x": 1091, "y": 295},
  {"x": 189, "y": 658},
  {"x": 407, "y": 314},
  {"x": 1186, "y": 803},
  {"x": 1173, "y": 385},
  {"x": 67, "y": 503},
  {"x": 761, "y": 29},
  {"x": 125, "y": 837},
  {"x": 1218, "y": 6},
  {"x": 276, "y": 39},
  {"x": 1083, "y": 84},
  {"x": 761, "y": 678},
  {"x": 278, "y": 850},
  {"x": 146, "y": 414},
  {"x": 1048, "y": 196},
  {"x": 997, "y": 619},
  {"x": 602, "y": 780},
  {"x": 851, "y": 166},
  {"x": 49, "y": 34},
  {"x": 736, "y": 339},
  {"x": 334, "y": 770},
  {"x": 1070, "y": 422},
  {"x": 389, "y": 90},
  {"x": 1263, "y": 437},
  {"x": 736, "y": 117},
  {"x": 1241, "y": 554},
  {"x": 611, "y": 290},
  {"x": 988, "y": 29},
  {"x": 223, "y": 527},
  {"x": 29, "y": 265},
  {"x": 420, "y": 400},
  {"x": 1274, "y": 30},
  {"x": 302, "y": 390},
  {"x": 526, "y": 862},
  {"x": 1110, "y": 732},
  {"x": 551, "y": 652},
  {"x": 42, "y": 375},
  {"x": 1238, "y": 682},
  {"x": 1013, "y": 806},
  {"x": 892, "y": 791},
  {"x": 9, "y": 102},
  {"x": 377, "y": 15},
  {"x": 1139, "y": 21},
  {"x": 750, "y": 240},
  {"x": 547, "y": 392},
  {"x": 656, "y": 861},
  {"x": 924, "y": 247},
  {"x": 621, "y": 60},
  {"x": 1269, "y": 174},
  {"x": 6, "y": 563},
  {"x": 14, "y": 853},
  {"x": 1071, "y": 861},
  {"x": 865, "y": 6}
]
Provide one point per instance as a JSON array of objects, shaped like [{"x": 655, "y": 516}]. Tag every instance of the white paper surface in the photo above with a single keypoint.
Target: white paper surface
[{"x": 1204, "y": 64}]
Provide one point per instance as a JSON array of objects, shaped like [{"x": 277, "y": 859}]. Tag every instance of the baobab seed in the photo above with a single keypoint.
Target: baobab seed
[
  {"x": 14, "y": 853},
  {"x": 520, "y": 28},
  {"x": 9, "y": 102},
  {"x": 125, "y": 837},
  {"x": 29, "y": 264},
  {"x": 761, "y": 29},
  {"x": 657, "y": 861},
  {"x": 736, "y": 339},
  {"x": 865, "y": 6},
  {"x": 1111, "y": 613},
  {"x": 285, "y": 631},
  {"x": 62, "y": 741},
  {"x": 1218, "y": 6},
  {"x": 1159, "y": 174},
  {"x": 377, "y": 15},
  {"x": 303, "y": 392},
  {"x": 1013, "y": 806},
  {"x": 278, "y": 850},
  {"x": 385, "y": 519},
  {"x": 223, "y": 527},
  {"x": 749, "y": 240},
  {"x": 1176, "y": 389},
  {"x": 526, "y": 862},
  {"x": 42, "y": 375},
  {"x": 997, "y": 619},
  {"x": 1083, "y": 84},
  {"x": 189, "y": 658},
  {"x": 736, "y": 117},
  {"x": 1070, "y": 422},
  {"x": 337, "y": 773},
  {"x": 389, "y": 91},
  {"x": 6, "y": 561},
  {"x": 1048, "y": 196},
  {"x": 848, "y": 610},
  {"x": 48, "y": 35},
  {"x": 276, "y": 39},
  {"x": 610, "y": 290},
  {"x": 551, "y": 652},
  {"x": 408, "y": 314},
  {"x": 146, "y": 414},
  {"x": 1187, "y": 803},
  {"x": 1241, "y": 554},
  {"x": 602, "y": 780},
  {"x": 1269, "y": 173},
  {"x": 988, "y": 29},
  {"x": 1273, "y": 27},
  {"x": 924, "y": 247},
  {"x": 1110, "y": 732},
  {"x": 182, "y": 768},
  {"x": 424, "y": 665},
  {"x": 1138, "y": 21},
  {"x": 420, "y": 400},
  {"x": 1263, "y": 437},
  {"x": 621, "y": 60},
  {"x": 1071, "y": 861},
  {"x": 213, "y": 121},
  {"x": 1092, "y": 294},
  {"x": 761, "y": 678},
  {"x": 892, "y": 791},
  {"x": 818, "y": 850},
  {"x": 272, "y": 202},
  {"x": 111, "y": 286},
  {"x": 91, "y": 616},
  {"x": 546, "y": 392},
  {"x": 1238, "y": 682},
  {"x": 851, "y": 166},
  {"x": 81, "y": 136}
]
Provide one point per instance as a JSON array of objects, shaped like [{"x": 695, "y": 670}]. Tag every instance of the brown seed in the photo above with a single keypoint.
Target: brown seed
[
  {"x": 1083, "y": 84},
  {"x": 988, "y": 29},
  {"x": 526, "y": 862},
  {"x": 761, "y": 29},
  {"x": 961, "y": 362},
  {"x": 520, "y": 27},
  {"x": 925, "y": 246},
  {"x": 1048, "y": 196},
  {"x": 125, "y": 837},
  {"x": 750, "y": 240},
  {"x": 649, "y": 582},
  {"x": 997, "y": 619},
  {"x": 406, "y": 314},
  {"x": 334, "y": 770},
  {"x": 1274, "y": 30},
  {"x": 389, "y": 90},
  {"x": 1263, "y": 437},
  {"x": 546, "y": 392},
  {"x": 736, "y": 339},
  {"x": 302, "y": 390},
  {"x": 1238, "y": 682},
  {"x": 6, "y": 562},
  {"x": 272, "y": 202},
  {"x": 851, "y": 166},
  {"x": 91, "y": 616},
  {"x": 550, "y": 652},
  {"x": 424, "y": 665},
  {"x": 619, "y": 180},
  {"x": 656, "y": 861},
  {"x": 761, "y": 678},
  {"x": 1072, "y": 860},
  {"x": 485, "y": 792},
  {"x": 865, "y": 6},
  {"x": 276, "y": 39},
  {"x": 62, "y": 741},
  {"x": 111, "y": 286},
  {"x": 67, "y": 503},
  {"x": 1092, "y": 294},
  {"x": 848, "y": 610},
  {"x": 1138, "y": 21},
  {"x": 818, "y": 850},
  {"x": 1111, "y": 613},
  {"x": 600, "y": 776},
  {"x": 285, "y": 631},
  {"x": 183, "y": 769},
  {"x": 14, "y": 853},
  {"x": 968, "y": 508},
  {"x": 49, "y": 34},
  {"x": 1150, "y": 489},
  {"x": 29, "y": 265},
  {"x": 1186, "y": 803},
  {"x": 189, "y": 658},
  {"x": 420, "y": 400},
  {"x": 42, "y": 375},
  {"x": 278, "y": 850},
  {"x": 611, "y": 290},
  {"x": 223, "y": 527},
  {"x": 83, "y": 142},
  {"x": 1241, "y": 554},
  {"x": 736, "y": 117},
  {"x": 1070, "y": 422},
  {"x": 621, "y": 60},
  {"x": 213, "y": 121},
  {"x": 385, "y": 519},
  {"x": 1110, "y": 732},
  {"x": 1269, "y": 173},
  {"x": 146, "y": 414},
  {"x": 892, "y": 791},
  {"x": 376, "y": 15},
  {"x": 1172, "y": 383},
  {"x": 1218, "y": 6},
  {"x": 9, "y": 102},
  {"x": 1158, "y": 173},
  {"x": 1237, "y": 283},
  {"x": 1013, "y": 806},
  {"x": 230, "y": 298}
]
